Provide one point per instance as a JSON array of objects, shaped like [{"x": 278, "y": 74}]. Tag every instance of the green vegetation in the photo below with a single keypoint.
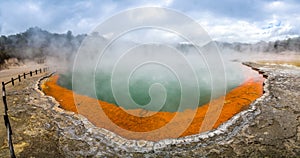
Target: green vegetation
[{"x": 35, "y": 43}]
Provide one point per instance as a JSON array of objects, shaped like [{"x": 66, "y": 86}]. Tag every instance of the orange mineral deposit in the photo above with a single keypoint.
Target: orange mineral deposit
[{"x": 236, "y": 100}]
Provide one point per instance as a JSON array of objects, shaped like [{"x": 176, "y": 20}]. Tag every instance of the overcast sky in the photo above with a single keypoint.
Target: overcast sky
[{"x": 226, "y": 20}]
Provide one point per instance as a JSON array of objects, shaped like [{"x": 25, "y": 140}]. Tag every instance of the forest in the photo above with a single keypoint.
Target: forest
[{"x": 38, "y": 43}]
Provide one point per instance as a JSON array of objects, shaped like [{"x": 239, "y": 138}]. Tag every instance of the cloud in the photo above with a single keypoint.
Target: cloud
[
  {"x": 228, "y": 20},
  {"x": 271, "y": 20},
  {"x": 232, "y": 30}
]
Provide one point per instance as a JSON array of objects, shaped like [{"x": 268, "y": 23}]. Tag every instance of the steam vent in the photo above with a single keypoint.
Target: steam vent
[{"x": 137, "y": 123}]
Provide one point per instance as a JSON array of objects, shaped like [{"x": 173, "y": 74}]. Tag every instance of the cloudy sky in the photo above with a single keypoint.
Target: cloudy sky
[{"x": 226, "y": 20}]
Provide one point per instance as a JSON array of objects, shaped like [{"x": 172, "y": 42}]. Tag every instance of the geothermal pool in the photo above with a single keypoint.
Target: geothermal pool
[{"x": 243, "y": 87}]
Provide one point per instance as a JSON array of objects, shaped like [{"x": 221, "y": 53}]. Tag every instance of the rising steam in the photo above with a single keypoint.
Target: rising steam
[{"x": 151, "y": 85}]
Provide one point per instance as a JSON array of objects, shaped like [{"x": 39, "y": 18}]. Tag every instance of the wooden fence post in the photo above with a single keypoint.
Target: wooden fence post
[
  {"x": 30, "y": 73},
  {"x": 40, "y": 70},
  {"x": 24, "y": 75},
  {"x": 36, "y": 72},
  {"x": 19, "y": 78},
  {"x": 4, "y": 98},
  {"x": 7, "y": 123},
  {"x": 12, "y": 81}
]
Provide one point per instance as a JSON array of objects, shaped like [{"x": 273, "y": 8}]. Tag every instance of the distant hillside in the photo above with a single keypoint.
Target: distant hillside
[
  {"x": 36, "y": 42},
  {"x": 290, "y": 44}
]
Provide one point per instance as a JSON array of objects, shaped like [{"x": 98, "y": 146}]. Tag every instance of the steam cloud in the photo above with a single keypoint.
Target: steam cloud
[{"x": 148, "y": 82}]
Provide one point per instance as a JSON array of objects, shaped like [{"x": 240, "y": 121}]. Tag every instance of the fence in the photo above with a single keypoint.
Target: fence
[{"x": 6, "y": 119}]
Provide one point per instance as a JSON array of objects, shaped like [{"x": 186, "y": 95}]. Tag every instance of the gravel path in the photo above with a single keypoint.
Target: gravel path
[
  {"x": 6, "y": 75},
  {"x": 269, "y": 128}
]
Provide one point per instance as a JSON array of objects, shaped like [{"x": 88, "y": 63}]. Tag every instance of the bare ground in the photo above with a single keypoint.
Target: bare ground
[
  {"x": 6, "y": 75},
  {"x": 269, "y": 128}
]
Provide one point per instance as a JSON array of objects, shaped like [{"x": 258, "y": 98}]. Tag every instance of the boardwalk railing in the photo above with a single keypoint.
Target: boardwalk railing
[{"x": 6, "y": 119}]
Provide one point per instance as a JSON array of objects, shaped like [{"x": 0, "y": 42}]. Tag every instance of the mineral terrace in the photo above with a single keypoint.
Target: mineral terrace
[{"x": 269, "y": 128}]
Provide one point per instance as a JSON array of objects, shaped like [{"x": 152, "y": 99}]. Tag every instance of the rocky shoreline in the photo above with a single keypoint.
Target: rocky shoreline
[{"x": 270, "y": 127}]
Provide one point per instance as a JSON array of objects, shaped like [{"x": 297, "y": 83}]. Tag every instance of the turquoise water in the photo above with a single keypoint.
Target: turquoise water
[{"x": 142, "y": 79}]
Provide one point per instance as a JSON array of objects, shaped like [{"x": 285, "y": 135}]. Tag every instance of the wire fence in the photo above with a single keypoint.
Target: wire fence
[{"x": 6, "y": 118}]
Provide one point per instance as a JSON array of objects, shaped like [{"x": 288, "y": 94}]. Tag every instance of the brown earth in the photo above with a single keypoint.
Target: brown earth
[
  {"x": 287, "y": 62},
  {"x": 6, "y": 75}
]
